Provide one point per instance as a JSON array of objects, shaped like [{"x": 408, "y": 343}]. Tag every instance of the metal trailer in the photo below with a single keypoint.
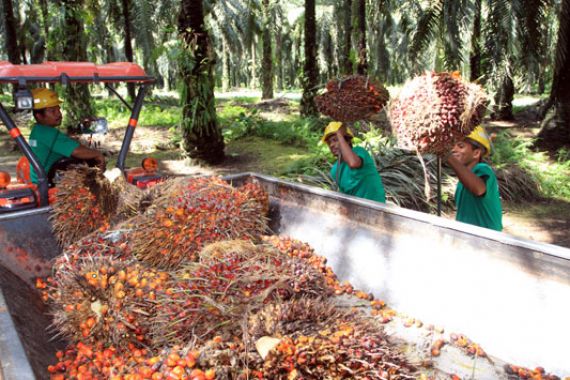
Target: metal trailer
[{"x": 507, "y": 294}]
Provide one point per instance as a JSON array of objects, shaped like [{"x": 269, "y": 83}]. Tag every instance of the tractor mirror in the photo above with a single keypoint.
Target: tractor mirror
[
  {"x": 94, "y": 126},
  {"x": 23, "y": 99}
]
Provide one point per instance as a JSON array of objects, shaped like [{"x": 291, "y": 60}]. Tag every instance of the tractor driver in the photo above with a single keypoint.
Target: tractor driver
[
  {"x": 477, "y": 194},
  {"x": 48, "y": 143},
  {"x": 354, "y": 172}
]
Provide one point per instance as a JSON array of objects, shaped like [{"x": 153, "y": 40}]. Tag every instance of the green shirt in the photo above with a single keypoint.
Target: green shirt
[
  {"x": 363, "y": 182},
  {"x": 49, "y": 145},
  {"x": 484, "y": 211}
]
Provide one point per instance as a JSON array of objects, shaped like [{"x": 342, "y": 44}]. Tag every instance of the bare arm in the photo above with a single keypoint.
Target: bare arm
[
  {"x": 348, "y": 156},
  {"x": 84, "y": 153},
  {"x": 469, "y": 180}
]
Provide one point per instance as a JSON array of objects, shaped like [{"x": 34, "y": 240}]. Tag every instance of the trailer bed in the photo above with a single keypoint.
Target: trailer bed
[{"x": 507, "y": 294}]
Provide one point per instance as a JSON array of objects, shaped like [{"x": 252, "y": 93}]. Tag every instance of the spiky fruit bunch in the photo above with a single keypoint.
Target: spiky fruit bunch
[
  {"x": 131, "y": 200},
  {"x": 84, "y": 202},
  {"x": 298, "y": 249},
  {"x": 96, "y": 297},
  {"x": 344, "y": 349},
  {"x": 303, "y": 316},
  {"x": 435, "y": 110},
  {"x": 352, "y": 98},
  {"x": 192, "y": 214},
  {"x": 214, "y": 293}
]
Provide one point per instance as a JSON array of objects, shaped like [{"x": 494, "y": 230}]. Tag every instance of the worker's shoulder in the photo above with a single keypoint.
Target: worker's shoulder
[
  {"x": 360, "y": 151},
  {"x": 483, "y": 168}
]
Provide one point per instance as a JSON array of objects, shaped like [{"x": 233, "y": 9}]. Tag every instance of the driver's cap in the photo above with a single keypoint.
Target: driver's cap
[{"x": 45, "y": 98}]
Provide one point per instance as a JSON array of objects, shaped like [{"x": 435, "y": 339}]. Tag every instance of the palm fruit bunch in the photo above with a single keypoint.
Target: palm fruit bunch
[
  {"x": 352, "y": 98},
  {"x": 192, "y": 213},
  {"x": 131, "y": 200},
  {"x": 298, "y": 249},
  {"x": 315, "y": 339},
  {"x": 99, "y": 297},
  {"x": 84, "y": 202},
  {"x": 213, "y": 294},
  {"x": 435, "y": 110}
]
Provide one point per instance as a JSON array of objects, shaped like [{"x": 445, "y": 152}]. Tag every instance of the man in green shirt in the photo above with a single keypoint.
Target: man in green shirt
[
  {"x": 354, "y": 172},
  {"x": 477, "y": 194},
  {"x": 47, "y": 142}
]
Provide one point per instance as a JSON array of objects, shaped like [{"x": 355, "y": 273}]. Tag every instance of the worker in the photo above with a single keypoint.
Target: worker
[
  {"x": 48, "y": 143},
  {"x": 477, "y": 194},
  {"x": 354, "y": 172}
]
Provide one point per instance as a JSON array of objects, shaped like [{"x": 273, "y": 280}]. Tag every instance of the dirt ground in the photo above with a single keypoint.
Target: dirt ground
[{"x": 546, "y": 221}]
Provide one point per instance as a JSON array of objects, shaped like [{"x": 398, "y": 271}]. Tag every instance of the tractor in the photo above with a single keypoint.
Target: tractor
[{"x": 22, "y": 194}]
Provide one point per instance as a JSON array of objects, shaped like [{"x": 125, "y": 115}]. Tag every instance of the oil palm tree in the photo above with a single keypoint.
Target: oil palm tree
[
  {"x": 310, "y": 69},
  {"x": 202, "y": 139},
  {"x": 78, "y": 99},
  {"x": 10, "y": 35},
  {"x": 556, "y": 129}
]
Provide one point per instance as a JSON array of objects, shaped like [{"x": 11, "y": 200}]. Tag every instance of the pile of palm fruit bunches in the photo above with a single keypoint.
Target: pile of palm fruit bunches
[
  {"x": 431, "y": 113},
  {"x": 182, "y": 281}
]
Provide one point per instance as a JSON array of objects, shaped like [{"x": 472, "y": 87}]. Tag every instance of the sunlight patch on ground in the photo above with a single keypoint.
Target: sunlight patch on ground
[
  {"x": 525, "y": 101},
  {"x": 249, "y": 93}
]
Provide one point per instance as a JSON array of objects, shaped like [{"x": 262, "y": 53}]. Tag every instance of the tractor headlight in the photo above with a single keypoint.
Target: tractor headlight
[{"x": 23, "y": 99}]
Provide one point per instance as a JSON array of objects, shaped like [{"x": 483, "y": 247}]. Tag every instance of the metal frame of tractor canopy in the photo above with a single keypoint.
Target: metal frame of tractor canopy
[{"x": 66, "y": 73}]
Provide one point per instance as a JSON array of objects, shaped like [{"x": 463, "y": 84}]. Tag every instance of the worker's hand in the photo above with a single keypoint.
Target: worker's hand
[
  {"x": 101, "y": 164},
  {"x": 341, "y": 132}
]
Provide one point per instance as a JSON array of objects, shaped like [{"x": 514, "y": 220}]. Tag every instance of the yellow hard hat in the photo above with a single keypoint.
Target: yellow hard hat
[
  {"x": 45, "y": 98},
  {"x": 480, "y": 136},
  {"x": 332, "y": 128}
]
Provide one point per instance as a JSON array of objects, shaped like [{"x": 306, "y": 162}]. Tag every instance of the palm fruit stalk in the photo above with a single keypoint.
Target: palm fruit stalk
[
  {"x": 193, "y": 213},
  {"x": 352, "y": 98},
  {"x": 98, "y": 297},
  {"x": 84, "y": 202},
  {"x": 211, "y": 295},
  {"x": 436, "y": 110}
]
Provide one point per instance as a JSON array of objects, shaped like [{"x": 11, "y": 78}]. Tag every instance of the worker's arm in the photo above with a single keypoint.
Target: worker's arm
[
  {"x": 348, "y": 156},
  {"x": 84, "y": 153},
  {"x": 470, "y": 181}
]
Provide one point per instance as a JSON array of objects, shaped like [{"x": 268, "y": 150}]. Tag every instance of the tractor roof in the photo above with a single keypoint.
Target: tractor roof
[{"x": 67, "y": 72}]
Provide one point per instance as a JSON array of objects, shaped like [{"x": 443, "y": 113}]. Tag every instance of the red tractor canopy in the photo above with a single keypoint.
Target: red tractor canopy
[{"x": 72, "y": 72}]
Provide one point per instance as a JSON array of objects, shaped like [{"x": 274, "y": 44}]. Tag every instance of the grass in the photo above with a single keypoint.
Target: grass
[
  {"x": 264, "y": 155},
  {"x": 552, "y": 176}
]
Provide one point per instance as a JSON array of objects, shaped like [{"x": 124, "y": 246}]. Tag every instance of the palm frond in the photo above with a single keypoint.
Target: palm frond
[{"x": 427, "y": 28}]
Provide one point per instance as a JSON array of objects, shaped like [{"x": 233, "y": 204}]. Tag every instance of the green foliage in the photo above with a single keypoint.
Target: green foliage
[
  {"x": 552, "y": 176},
  {"x": 239, "y": 122},
  {"x": 156, "y": 112}
]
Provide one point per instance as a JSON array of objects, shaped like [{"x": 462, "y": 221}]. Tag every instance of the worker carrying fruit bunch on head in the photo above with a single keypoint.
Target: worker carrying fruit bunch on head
[
  {"x": 477, "y": 194},
  {"x": 48, "y": 143},
  {"x": 354, "y": 172}
]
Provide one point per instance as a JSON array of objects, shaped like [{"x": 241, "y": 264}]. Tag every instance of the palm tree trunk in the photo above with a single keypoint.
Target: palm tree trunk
[
  {"x": 253, "y": 81},
  {"x": 267, "y": 60},
  {"x": 128, "y": 41},
  {"x": 345, "y": 62},
  {"x": 557, "y": 132},
  {"x": 310, "y": 70},
  {"x": 279, "y": 58},
  {"x": 503, "y": 109},
  {"x": 77, "y": 97},
  {"x": 362, "y": 67},
  {"x": 226, "y": 66},
  {"x": 475, "y": 57},
  {"x": 11, "y": 40},
  {"x": 202, "y": 139}
]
